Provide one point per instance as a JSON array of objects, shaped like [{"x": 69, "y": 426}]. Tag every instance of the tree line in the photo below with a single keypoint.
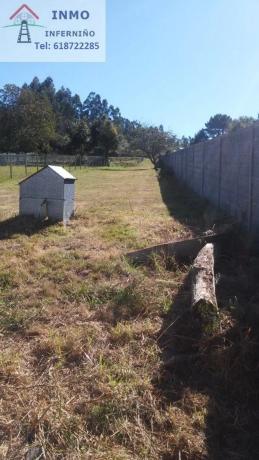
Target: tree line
[
  {"x": 38, "y": 118},
  {"x": 220, "y": 124}
]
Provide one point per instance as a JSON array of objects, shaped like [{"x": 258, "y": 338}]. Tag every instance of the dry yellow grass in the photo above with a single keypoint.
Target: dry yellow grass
[{"x": 80, "y": 328}]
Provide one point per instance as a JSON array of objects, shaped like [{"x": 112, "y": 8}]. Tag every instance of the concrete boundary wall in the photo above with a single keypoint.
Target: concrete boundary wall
[{"x": 224, "y": 170}]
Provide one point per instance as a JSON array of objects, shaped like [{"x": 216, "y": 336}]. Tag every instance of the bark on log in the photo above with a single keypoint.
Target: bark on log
[{"x": 204, "y": 302}]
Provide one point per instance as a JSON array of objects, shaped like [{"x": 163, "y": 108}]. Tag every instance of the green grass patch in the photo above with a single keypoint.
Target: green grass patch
[{"x": 120, "y": 233}]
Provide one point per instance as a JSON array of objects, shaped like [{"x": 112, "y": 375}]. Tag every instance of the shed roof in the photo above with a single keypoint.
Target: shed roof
[{"x": 61, "y": 172}]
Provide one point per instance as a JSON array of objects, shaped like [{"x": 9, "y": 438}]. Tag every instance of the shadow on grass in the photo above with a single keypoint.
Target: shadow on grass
[
  {"x": 215, "y": 377},
  {"x": 185, "y": 205},
  {"x": 23, "y": 225}
]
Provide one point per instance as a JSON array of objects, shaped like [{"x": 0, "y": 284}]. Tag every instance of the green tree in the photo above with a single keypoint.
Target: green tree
[
  {"x": 154, "y": 142},
  {"x": 9, "y": 96},
  {"x": 217, "y": 125},
  {"x": 200, "y": 136},
  {"x": 34, "y": 85},
  {"x": 34, "y": 123},
  {"x": 66, "y": 105},
  {"x": 241, "y": 122},
  {"x": 185, "y": 141},
  {"x": 104, "y": 138},
  {"x": 80, "y": 138},
  {"x": 47, "y": 89},
  {"x": 94, "y": 108}
]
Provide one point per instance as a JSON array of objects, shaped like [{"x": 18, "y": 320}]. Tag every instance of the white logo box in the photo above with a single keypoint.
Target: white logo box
[{"x": 53, "y": 31}]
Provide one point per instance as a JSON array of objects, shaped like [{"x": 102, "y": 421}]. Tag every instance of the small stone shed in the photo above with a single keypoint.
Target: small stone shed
[{"x": 50, "y": 193}]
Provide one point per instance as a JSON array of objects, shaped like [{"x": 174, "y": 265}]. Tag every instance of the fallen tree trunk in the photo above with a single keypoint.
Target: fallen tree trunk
[
  {"x": 204, "y": 302},
  {"x": 182, "y": 250}
]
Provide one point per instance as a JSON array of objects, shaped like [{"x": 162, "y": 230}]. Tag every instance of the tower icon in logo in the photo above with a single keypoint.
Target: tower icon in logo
[{"x": 24, "y": 17}]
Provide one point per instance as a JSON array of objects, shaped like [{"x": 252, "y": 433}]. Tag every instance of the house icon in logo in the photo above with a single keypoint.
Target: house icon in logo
[{"x": 24, "y": 17}]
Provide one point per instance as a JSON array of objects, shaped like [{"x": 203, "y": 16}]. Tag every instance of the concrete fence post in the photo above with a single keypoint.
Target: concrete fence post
[
  {"x": 10, "y": 166},
  {"x": 25, "y": 165},
  {"x": 220, "y": 172},
  {"x": 251, "y": 181},
  {"x": 203, "y": 167},
  {"x": 193, "y": 165}
]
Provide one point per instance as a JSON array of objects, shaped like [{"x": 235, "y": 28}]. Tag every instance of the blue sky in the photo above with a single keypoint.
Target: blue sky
[{"x": 175, "y": 62}]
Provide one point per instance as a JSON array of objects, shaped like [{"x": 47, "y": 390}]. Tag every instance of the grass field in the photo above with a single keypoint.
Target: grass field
[
  {"x": 123, "y": 203},
  {"x": 81, "y": 328}
]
